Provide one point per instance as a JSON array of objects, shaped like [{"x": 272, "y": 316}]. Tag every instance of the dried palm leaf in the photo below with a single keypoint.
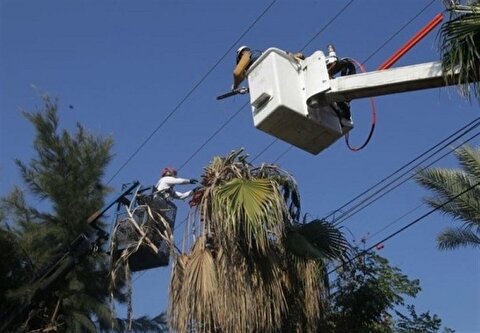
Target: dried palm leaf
[{"x": 199, "y": 288}]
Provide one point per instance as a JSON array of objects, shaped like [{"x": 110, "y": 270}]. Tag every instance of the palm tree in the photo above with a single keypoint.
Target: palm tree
[
  {"x": 252, "y": 267},
  {"x": 460, "y": 47},
  {"x": 446, "y": 184}
]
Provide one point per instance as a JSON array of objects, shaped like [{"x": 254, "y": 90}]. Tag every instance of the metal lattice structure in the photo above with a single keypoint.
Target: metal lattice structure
[{"x": 142, "y": 233}]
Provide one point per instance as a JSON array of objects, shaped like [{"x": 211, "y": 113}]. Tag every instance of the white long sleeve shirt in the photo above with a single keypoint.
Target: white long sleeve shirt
[{"x": 167, "y": 184}]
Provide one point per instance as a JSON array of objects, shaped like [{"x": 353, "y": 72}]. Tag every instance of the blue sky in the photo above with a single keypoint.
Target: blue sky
[{"x": 125, "y": 66}]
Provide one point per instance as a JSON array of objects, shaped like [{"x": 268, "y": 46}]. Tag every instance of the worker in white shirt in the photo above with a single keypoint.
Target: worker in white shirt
[{"x": 166, "y": 185}]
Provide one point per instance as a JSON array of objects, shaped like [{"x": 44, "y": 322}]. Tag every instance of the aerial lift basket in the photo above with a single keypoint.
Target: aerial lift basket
[
  {"x": 285, "y": 96},
  {"x": 126, "y": 235}
]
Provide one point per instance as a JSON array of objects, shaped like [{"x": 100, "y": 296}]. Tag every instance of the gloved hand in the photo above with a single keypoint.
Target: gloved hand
[
  {"x": 195, "y": 189},
  {"x": 193, "y": 181}
]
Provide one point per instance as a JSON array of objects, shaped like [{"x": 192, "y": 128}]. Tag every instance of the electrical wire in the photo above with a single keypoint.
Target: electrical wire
[
  {"x": 212, "y": 136},
  {"x": 465, "y": 127},
  {"x": 289, "y": 148},
  {"x": 264, "y": 150},
  {"x": 340, "y": 12},
  {"x": 358, "y": 207},
  {"x": 376, "y": 51},
  {"x": 398, "y": 31},
  {"x": 404, "y": 227},
  {"x": 243, "y": 106},
  {"x": 395, "y": 221},
  {"x": 190, "y": 92}
]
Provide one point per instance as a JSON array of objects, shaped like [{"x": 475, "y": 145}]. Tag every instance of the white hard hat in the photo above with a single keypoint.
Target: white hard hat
[{"x": 241, "y": 48}]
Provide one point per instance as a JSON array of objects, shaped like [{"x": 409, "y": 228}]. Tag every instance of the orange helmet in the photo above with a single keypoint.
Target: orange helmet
[{"x": 169, "y": 171}]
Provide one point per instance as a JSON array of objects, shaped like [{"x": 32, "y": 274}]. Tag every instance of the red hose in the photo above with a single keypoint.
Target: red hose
[{"x": 389, "y": 63}]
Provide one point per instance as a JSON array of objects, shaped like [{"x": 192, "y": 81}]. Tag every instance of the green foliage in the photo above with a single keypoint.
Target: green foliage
[
  {"x": 157, "y": 324},
  {"x": 415, "y": 323},
  {"x": 445, "y": 185},
  {"x": 14, "y": 266},
  {"x": 365, "y": 291},
  {"x": 460, "y": 48},
  {"x": 368, "y": 296},
  {"x": 65, "y": 174}
]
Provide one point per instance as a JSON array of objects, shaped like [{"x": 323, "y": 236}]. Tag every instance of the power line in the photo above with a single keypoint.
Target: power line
[
  {"x": 340, "y": 12},
  {"x": 452, "y": 137},
  {"x": 149, "y": 137},
  {"x": 398, "y": 31},
  {"x": 264, "y": 150},
  {"x": 355, "y": 209},
  {"x": 398, "y": 219},
  {"x": 364, "y": 62},
  {"x": 212, "y": 136},
  {"x": 405, "y": 227},
  {"x": 415, "y": 208}
]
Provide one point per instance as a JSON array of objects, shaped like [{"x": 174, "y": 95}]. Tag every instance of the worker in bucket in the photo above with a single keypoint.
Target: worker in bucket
[
  {"x": 166, "y": 185},
  {"x": 245, "y": 58}
]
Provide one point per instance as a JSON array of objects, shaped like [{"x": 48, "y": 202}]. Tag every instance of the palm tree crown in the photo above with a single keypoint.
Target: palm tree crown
[
  {"x": 252, "y": 266},
  {"x": 446, "y": 184}
]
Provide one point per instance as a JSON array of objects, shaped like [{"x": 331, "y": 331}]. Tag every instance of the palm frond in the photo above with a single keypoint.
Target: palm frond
[
  {"x": 453, "y": 238},
  {"x": 307, "y": 300},
  {"x": 249, "y": 210},
  {"x": 317, "y": 239},
  {"x": 446, "y": 185},
  {"x": 198, "y": 292},
  {"x": 469, "y": 159},
  {"x": 178, "y": 306},
  {"x": 460, "y": 49},
  {"x": 300, "y": 246}
]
